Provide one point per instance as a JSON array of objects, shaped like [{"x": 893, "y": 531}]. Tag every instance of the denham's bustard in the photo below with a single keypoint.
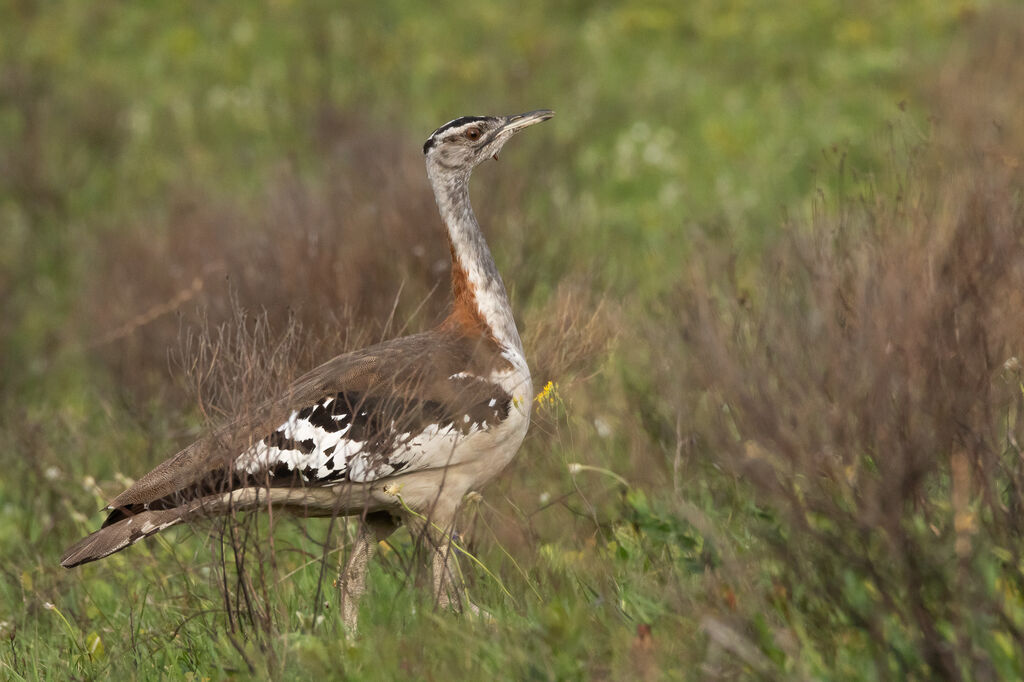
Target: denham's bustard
[{"x": 400, "y": 431}]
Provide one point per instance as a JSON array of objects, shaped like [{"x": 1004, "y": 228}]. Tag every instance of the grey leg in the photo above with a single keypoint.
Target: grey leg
[
  {"x": 352, "y": 581},
  {"x": 448, "y": 587},
  {"x": 447, "y": 581}
]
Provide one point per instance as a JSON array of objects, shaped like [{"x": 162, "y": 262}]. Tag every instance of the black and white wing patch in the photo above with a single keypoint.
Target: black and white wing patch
[{"x": 361, "y": 438}]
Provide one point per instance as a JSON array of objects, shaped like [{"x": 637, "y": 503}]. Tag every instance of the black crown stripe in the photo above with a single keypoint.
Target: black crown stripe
[{"x": 463, "y": 120}]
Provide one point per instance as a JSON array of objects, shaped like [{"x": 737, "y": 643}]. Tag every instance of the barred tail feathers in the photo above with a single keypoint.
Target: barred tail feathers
[{"x": 117, "y": 536}]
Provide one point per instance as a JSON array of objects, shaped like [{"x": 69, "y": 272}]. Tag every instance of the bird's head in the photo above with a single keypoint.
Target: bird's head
[{"x": 458, "y": 146}]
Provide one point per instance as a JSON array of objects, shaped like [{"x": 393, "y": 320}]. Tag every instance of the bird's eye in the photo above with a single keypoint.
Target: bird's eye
[{"x": 473, "y": 134}]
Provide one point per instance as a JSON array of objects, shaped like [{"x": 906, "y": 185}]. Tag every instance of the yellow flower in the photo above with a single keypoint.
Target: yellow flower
[{"x": 548, "y": 395}]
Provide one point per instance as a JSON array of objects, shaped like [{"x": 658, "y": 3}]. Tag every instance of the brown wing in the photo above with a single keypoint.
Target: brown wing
[{"x": 407, "y": 382}]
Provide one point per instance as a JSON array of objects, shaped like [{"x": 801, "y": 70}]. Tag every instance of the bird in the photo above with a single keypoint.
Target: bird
[{"x": 398, "y": 432}]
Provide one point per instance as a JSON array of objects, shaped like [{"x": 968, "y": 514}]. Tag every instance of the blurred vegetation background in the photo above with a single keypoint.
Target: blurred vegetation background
[{"x": 768, "y": 254}]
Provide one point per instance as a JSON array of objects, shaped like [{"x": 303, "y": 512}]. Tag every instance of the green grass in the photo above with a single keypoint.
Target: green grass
[{"x": 708, "y": 133}]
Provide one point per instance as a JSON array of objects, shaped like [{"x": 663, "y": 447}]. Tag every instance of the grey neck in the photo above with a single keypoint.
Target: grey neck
[{"x": 451, "y": 191}]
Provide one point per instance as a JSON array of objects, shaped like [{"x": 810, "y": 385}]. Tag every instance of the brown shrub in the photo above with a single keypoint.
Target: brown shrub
[
  {"x": 869, "y": 389},
  {"x": 351, "y": 257}
]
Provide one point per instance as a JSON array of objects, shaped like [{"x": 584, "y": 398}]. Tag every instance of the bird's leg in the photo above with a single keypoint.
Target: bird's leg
[
  {"x": 448, "y": 585},
  {"x": 437, "y": 538},
  {"x": 352, "y": 581}
]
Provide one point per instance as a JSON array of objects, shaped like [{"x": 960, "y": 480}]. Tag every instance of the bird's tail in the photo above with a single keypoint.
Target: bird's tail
[
  {"x": 121, "y": 534},
  {"x": 121, "y": 531}
]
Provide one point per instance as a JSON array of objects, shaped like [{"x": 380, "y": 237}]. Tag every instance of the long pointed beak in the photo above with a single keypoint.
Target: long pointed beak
[{"x": 513, "y": 124}]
